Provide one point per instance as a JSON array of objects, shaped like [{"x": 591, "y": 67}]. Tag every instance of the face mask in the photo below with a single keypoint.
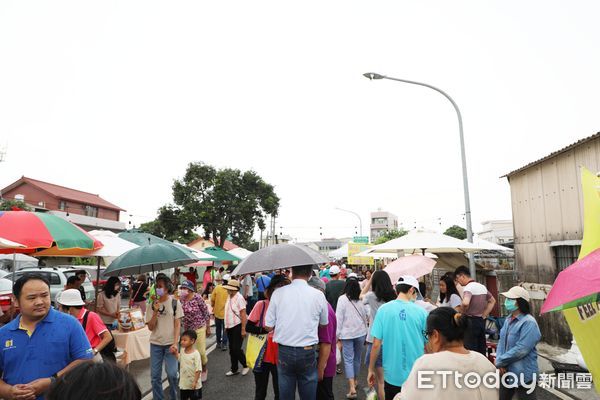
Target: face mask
[
  {"x": 510, "y": 305},
  {"x": 160, "y": 292},
  {"x": 184, "y": 292},
  {"x": 413, "y": 299}
]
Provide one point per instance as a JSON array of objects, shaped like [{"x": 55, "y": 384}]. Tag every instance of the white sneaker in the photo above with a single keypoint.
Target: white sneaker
[
  {"x": 245, "y": 371},
  {"x": 231, "y": 373}
]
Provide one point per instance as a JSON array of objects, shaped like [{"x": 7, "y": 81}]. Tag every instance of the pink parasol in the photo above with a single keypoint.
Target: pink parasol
[{"x": 414, "y": 265}]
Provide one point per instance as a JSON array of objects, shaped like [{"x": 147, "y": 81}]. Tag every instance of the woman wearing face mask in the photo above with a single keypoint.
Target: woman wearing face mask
[
  {"x": 109, "y": 302},
  {"x": 445, "y": 331},
  {"x": 516, "y": 352},
  {"x": 196, "y": 318}
]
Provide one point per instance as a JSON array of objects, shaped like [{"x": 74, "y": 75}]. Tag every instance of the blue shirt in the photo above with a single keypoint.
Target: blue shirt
[
  {"x": 401, "y": 326},
  {"x": 516, "y": 348},
  {"x": 57, "y": 340},
  {"x": 296, "y": 311},
  {"x": 262, "y": 283}
]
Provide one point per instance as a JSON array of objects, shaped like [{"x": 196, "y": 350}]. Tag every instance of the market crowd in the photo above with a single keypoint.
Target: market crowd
[{"x": 304, "y": 328}]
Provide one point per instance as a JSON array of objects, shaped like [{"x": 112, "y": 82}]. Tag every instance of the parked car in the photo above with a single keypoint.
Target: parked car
[
  {"x": 92, "y": 271},
  {"x": 6, "y": 296},
  {"x": 57, "y": 278}
]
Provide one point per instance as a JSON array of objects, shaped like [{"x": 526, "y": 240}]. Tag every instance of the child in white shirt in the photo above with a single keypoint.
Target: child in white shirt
[{"x": 190, "y": 368}]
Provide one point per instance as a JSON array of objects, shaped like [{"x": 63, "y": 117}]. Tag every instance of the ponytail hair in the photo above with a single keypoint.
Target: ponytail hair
[{"x": 448, "y": 322}]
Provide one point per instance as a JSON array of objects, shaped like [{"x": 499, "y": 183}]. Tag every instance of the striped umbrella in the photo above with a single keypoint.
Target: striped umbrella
[{"x": 38, "y": 231}]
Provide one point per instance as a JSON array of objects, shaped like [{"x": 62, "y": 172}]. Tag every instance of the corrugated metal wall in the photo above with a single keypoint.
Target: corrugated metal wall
[{"x": 547, "y": 206}]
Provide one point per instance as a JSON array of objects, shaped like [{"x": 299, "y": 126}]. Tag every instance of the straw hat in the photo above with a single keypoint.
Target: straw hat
[{"x": 232, "y": 284}]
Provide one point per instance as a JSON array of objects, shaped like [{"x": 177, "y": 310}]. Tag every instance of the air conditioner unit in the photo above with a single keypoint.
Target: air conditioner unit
[
  {"x": 20, "y": 197},
  {"x": 42, "y": 204}
]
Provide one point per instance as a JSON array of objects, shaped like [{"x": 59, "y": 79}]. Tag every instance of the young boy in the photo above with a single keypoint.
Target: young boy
[{"x": 190, "y": 368}]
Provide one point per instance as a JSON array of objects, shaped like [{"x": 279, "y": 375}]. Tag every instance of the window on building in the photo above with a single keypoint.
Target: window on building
[
  {"x": 379, "y": 221},
  {"x": 62, "y": 205},
  {"x": 91, "y": 211},
  {"x": 565, "y": 256}
]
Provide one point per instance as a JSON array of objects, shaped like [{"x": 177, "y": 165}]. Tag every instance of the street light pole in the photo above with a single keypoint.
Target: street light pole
[
  {"x": 372, "y": 76},
  {"x": 357, "y": 216}
]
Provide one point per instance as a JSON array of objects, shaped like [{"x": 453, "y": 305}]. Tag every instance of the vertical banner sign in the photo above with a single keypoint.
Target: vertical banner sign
[{"x": 584, "y": 320}]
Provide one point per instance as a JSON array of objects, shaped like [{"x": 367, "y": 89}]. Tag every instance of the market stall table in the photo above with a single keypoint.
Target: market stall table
[{"x": 135, "y": 344}]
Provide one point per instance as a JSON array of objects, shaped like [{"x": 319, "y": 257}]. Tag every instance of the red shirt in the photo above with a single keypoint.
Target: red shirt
[
  {"x": 190, "y": 276},
  {"x": 93, "y": 328}
]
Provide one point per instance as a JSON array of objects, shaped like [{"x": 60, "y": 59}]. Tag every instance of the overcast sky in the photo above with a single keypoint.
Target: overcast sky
[{"x": 117, "y": 97}]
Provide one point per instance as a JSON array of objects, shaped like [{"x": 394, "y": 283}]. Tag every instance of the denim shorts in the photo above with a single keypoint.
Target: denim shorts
[{"x": 379, "y": 362}]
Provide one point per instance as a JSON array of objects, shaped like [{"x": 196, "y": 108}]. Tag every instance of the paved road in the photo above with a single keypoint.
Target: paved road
[{"x": 242, "y": 387}]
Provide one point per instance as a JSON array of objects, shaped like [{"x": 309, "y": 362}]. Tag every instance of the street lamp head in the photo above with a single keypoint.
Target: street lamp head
[{"x": 373, "y": 75}]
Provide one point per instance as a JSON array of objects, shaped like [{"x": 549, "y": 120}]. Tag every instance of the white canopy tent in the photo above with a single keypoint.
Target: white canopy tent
[
  {"x": 342, "y": 252},
  {"x": 240, "y": 252},
  {"x": 491, "y": 246},
  {"x": 420, "y": 241}
]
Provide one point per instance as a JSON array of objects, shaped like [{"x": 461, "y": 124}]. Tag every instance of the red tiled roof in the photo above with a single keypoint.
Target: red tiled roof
[
  {"x": 66, "y": 193},
  {"x": 227, "y": 246}
]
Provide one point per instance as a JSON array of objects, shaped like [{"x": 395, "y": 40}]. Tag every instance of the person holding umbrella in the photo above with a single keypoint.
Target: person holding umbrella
[{"x": 516, "y": 352}]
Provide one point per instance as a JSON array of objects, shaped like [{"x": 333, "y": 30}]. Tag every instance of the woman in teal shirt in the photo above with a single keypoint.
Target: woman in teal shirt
[{"x": 516, "y": 353}]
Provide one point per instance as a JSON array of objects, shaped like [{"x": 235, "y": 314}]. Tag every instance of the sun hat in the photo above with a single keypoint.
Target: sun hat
[
  {"x": 70, "y": 297},
  {"x": 232, "y": 285},
  {"x": 187, "y": 284},
  {"x": 516, "y": 292},
  {"x": 334, "y": 270}
]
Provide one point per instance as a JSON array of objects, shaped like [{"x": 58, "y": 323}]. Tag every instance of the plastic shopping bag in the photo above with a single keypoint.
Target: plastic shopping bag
[
  {"x": 372, "y": 394},
  {"x": 338, "y": 356},
  {"x": 255, "y": 344}
]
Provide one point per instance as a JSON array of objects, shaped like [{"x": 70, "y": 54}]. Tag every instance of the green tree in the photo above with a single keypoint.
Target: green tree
[
  {"x": 8, "y": 205},
  {"x": 389, "y": 235},
  {"x": 170, "y": 225},
  {"x": 456, "y": 232},
  {"x": 223, "y": 202}
]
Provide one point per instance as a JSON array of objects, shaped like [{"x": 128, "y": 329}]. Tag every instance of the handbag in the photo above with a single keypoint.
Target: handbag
[{"x": 256, "y": 343}]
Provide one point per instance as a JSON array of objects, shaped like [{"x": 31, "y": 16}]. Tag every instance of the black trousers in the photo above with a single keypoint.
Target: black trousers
[
  {"x": 391, "y": 391},
  {"x": 521, "y": 392},
  {"x": 190, "y": 394},
  {"x": 325, "y": 389},
  {"x": 261, "y": 380},
  {"x": 235, "y": 347},
  {"x": 475, "y": 335}
]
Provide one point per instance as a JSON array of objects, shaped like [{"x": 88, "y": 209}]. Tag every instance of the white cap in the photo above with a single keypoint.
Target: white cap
[
  {"x": 353, "y": 275},
  {"x": 516, "y": 292},
  {"x": 334, "y": 270},
  {"x": 70, "y": 297},
  {"x": 409, "y": 280},
  {"x": 226, "y": 277}
]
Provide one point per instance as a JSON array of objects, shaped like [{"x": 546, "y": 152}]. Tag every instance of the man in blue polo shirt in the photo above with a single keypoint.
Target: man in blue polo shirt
[{"x": 40, "y": 345}]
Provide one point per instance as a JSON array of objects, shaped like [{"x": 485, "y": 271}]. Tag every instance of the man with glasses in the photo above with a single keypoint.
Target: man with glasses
[{"x": 401, "y": 324}]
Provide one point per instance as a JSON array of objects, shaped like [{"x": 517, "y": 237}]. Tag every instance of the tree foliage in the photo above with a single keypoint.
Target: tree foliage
[
  {"x": 9, "y": 205},
  {"x": 457, "y": 232},
  {"x": 389, "y": 235},
  {"x": 170, "y": 225},
  {"x": 223, "y": 202}
]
